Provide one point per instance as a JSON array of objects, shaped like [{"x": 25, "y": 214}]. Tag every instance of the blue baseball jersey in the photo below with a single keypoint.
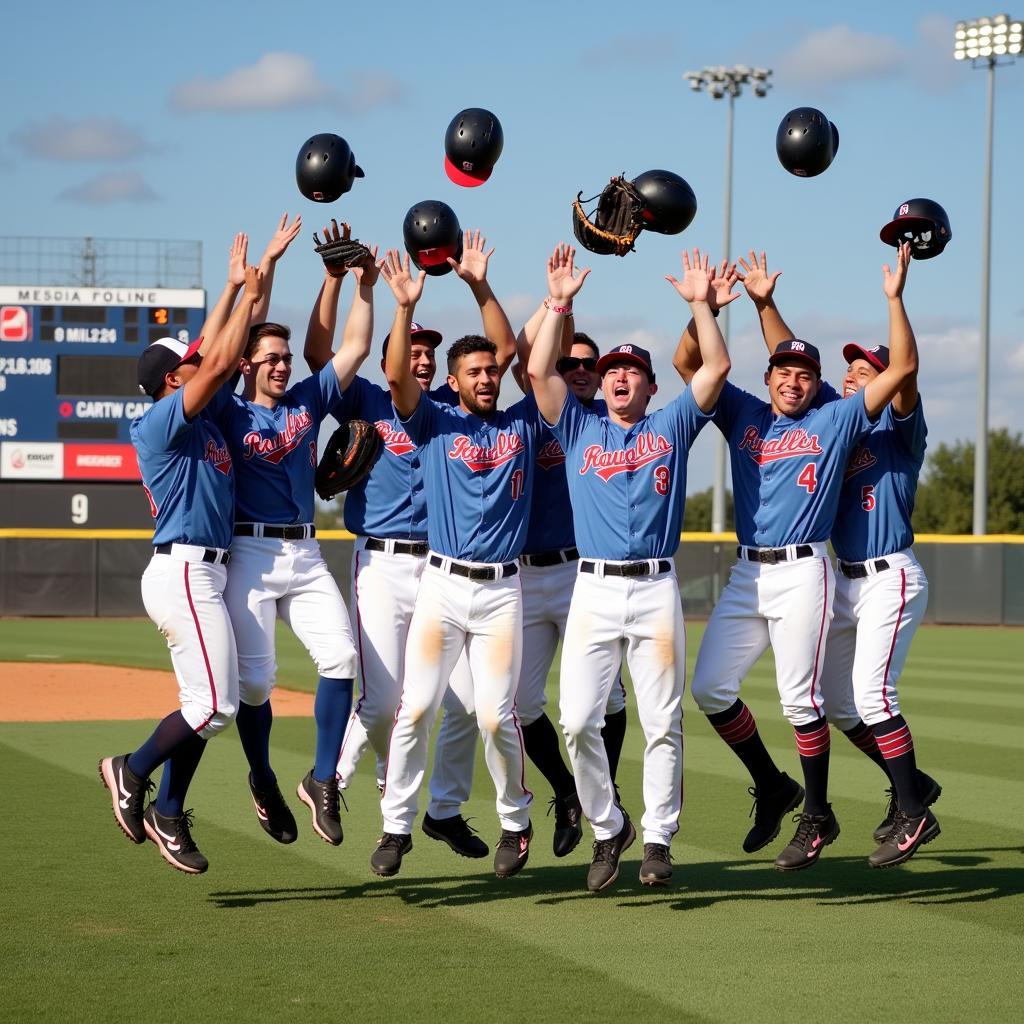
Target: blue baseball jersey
[
  {"x": 187, "y": 473},
  {"x": 274, "y": 450},
  {"x": 787, "y": 473},
  {"x": 628, "y": 486},
  {"x": 879, "y": 487},
  {"x": 551, "y": 525},
  {"x": 478, "y": 476},
  {"x": 391, "y": 501}
]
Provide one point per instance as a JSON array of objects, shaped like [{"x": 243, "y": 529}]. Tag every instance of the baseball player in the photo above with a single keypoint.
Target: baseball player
[
  {"x": 477, "y": 469},
  {"x": 627, "y": 481},
  {"x": 881, "y": 588},
  {"x": 387, "y": 512},
  {"x": 788, "y": 459},
  {"x": 548, "y": 573},
  {"x": 276, "y": 565},
  {"x": 187, "y": 473}
]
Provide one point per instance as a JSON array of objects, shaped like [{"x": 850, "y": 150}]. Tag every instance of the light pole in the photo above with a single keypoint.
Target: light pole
[
  {"x": 719, "y": 83},
  {"x": 985, "y": 42}
]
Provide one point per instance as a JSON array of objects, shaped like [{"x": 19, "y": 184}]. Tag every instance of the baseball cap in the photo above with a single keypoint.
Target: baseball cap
[
  {"x": 877, "y": 355},
  {"x": 160, "y": 358},
  {"x": 803, "y": 351},
  {"x": 424, "y": 335},
  {"x": 633, "y": 354}
]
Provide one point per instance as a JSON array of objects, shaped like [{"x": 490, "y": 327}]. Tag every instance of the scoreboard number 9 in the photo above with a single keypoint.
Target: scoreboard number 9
[{"x": 79, "y": 509}]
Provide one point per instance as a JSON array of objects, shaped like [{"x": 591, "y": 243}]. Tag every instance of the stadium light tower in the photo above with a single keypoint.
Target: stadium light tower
[
  {"x": 986, "y": 43},
  {"x": 720, "y": 82}
]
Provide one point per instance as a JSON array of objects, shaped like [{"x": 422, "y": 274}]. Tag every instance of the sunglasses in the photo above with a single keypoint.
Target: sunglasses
[
  {"x": 569, "y": 363},
  {"x": 273, "y": 359}
]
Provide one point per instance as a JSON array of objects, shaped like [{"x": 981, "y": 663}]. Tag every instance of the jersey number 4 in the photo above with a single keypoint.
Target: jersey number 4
[{"x": 808, "y": 479}]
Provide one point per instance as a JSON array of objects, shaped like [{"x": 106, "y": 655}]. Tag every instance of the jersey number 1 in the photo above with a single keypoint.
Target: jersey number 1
[
  {"x": 517, "y": 484},
  {"x": 808, "y": 479}
]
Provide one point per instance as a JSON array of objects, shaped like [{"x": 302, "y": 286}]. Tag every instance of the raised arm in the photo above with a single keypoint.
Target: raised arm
[
  {"x": 563, "y": 284},
  {"x": 358, "y": 334},
  {"x": 218, "y": 316},
  {"x": 323, "y": 320},
  {"x": 897, "y": 383},
  {"x": 277, "y": 246},
  {"x": 405, "y": 389},
  {"x": 473, "y": 270},
  {"x": 760, "y": 286},
  {"x": 687, "y": 358},
  {"x": 526, "y": 337},
  {"x": 695, "y": 287}
]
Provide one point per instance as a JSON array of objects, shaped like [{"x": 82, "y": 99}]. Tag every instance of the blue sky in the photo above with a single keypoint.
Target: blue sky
[{"x": 128, "y": 120}]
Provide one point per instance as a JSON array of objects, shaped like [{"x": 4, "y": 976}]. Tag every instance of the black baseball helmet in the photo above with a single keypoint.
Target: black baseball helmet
[
  {"x": 472, "y": 145},
  {"x": 325, "y": 168},
  {"x": 669, "y": 202},
  {"x": 807, "y": 142},
  {"x": 432, "y": 234},
  {"x": 922, "y": 223}
]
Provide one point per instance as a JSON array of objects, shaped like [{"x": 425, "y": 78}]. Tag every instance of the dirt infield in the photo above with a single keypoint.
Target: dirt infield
[{"x": 35, "y": 692}]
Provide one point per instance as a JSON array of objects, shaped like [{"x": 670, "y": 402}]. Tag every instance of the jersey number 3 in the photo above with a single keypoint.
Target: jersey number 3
[
  {"x": 808, "y": 479},
  {"x": 661, "y": 480}
]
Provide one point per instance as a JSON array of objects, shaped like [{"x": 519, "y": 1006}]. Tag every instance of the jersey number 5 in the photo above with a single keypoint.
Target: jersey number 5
[
  {"x": 661, "y": 480},
  {"x": 867, "y": 498},
  {"x": 808, "y": 479}
]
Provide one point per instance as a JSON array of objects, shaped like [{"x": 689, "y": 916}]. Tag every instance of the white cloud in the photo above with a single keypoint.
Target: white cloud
[
  {"x": 838, "y": 54},
  {"x": 931, "y": 60},
  {"x": 1015, "y": 360},
  {"x": 89, "y": 138},
  {"x": 116, "y": 187}
]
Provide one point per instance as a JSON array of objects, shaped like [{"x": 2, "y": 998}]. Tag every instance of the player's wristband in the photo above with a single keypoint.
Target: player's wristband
[{"x": 564, "y": 310}]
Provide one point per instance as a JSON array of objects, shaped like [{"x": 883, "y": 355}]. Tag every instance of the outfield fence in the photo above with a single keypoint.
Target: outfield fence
[{"x": 973, "y": 580}]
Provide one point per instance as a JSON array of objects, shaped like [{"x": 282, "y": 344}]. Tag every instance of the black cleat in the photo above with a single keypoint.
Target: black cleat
[
  {"x": 386, "y": 860},
  {"x": 604, "y": 867},
  {"x": 813, "y": 833},
  {"x": 324, "y": 803},
  {"x": 905, "y": 836},
  {"x": 568, "y": 823},
  {"x": 274, "y": 815},
  {"x": 128, "y": 795},
  {"x": 173, "y": 838},
  {"x": 457, "y": 833},
  {"x": 929, "y": 791},
  {"x": 512, "y": 852},
  {"x": 769, "y": 809},
  {"x": 657, "y": 866}
]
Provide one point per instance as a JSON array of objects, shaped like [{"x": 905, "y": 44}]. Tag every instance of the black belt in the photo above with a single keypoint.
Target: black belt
[
  {"x": 861, "y": 570},
  {"x": 214, "y": 555},
  {"x": 481, "y": 573},
  {"x": 306, "y": 531},
  {"x": 399, "y": 547},
  {"x": 769, "y": 556},
  {"x": 628, "y": 568},
  {"x": 550, "y": 557}
]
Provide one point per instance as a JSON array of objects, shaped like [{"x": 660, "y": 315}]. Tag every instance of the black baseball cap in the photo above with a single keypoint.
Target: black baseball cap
[
  {"x": 160, "y": 359},
  {"x": 424, "y": 335},
  {"x": 877, "y": 355},
  {"x": 803, "y": 351},
  {"x": 632, "y": 354}
]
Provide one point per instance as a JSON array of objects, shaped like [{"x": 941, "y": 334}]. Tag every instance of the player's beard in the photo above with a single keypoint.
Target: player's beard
[{"x": 469, "y": 400}]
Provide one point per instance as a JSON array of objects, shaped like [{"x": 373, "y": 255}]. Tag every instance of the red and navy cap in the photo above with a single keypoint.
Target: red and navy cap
[
  {"x": 423, "y": 335},
  {"x": 803, "y": 351},
  {"x": 877, "y": 356},
  {"x": 467, "y": 173},
  {"x": 632, "y": 354},
  {"x": 161, "y": 358}
]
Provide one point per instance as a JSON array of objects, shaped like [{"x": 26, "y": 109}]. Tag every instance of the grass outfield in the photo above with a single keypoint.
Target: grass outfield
[{"x": 96, "y": 929}]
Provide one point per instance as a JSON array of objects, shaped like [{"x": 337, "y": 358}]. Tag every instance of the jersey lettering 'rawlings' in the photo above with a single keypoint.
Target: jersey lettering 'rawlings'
[
  {"x": 787, "y": 473},
  {"x": 391, "y": 501},
  {"x": 187, "y": 472},
  {"x": 478, "y": 476},
  {"x": 879, "y": 488},
  {"x": 628, "y": 487},
  {"x": 551, "y": 526},
  {"x": 274, "y": 450}
]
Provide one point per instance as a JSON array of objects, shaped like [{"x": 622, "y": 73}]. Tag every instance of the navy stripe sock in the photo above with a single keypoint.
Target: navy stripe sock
[
  {"x": 331, "y": 709},
  {"x": 179, "y": 769},
  {"x": 737, "y": 727},
  {"x": 163, "y": 741},
  {"x": 254, "y": 724},
  {"x": 614, "y": 735},
  {"x": 897, "y": 747},
  {"x": 542, "y": 748},
  {"x": 813, "y": 742}
]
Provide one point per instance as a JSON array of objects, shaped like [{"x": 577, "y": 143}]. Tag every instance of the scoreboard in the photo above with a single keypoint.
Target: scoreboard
[{"x": 68, "y": 393}]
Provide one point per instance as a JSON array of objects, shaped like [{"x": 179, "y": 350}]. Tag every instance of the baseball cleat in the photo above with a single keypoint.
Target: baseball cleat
[
  {"x": 657, "y": 866},
  {"x": 512, "y": 852},
  {"x": 457, "y": 833},
  {"x": 128, "y": 795},
  {"x": 173, "y": 838},
  {"x": 568, "y": 823},
  {"x": 929, "y": 790},
  {"x": 905, "y": 836},
  {"x": 604, "y": 867},
  {"x": 325, "y": 805},
  {"x": 274, "y": 815},
  {"x": 813, "y": 833},
  {"x": 769, "y": 809},
  {"x": 386, "y": 860}
]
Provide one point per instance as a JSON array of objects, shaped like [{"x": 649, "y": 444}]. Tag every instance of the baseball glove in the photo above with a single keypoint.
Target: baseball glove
[
  {"x": 616, "y": 222},
  {"x": 341, "y": 254},
  {"x": 348, "y": 457}
]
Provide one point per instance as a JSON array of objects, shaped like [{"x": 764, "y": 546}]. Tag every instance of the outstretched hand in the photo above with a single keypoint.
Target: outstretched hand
[
  {"x": 406, "y": 288},
  {"x": 723, "y": 280},
  {"x": 367, "y": 272},
  {"x": 472, "y": 268},
  {"x": 563, "y": 282},
  {"x": 696, "y": 283},
  {"x": 283, "y": 237},
  {"x": 236, "y": 259},
  {"x": 756, "y": 280},
  {"x": 254, "y": 283},
  {"x": 334, "y": 233},
  {"x": 893, "y": 281}
]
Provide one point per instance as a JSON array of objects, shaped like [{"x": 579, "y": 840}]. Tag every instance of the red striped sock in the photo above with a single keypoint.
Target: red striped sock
[
  {"x": 896, "y": 743},
  {"x": 739, "y": 729},
  {"x": 813, "y": 742}
]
